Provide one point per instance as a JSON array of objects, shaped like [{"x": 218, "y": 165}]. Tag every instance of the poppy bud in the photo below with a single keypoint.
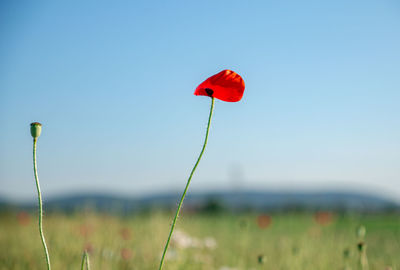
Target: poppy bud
[
  {"x": 36, "y": 129},
  {"x": 261, "y": 259},
  {"x": 346, "y": 253},
  {"x": 361, "y": 246}
]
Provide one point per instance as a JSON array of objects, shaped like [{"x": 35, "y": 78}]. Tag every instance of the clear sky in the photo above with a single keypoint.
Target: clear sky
[{"x": 112, "y": 83}]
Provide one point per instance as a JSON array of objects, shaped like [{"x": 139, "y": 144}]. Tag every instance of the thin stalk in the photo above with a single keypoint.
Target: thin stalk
[
  {"x": 40, "y": 205},
  {"x": 85, "y": 259},
  {"x": 187, "y": 186},
  {"x": 363, "y": 260}
]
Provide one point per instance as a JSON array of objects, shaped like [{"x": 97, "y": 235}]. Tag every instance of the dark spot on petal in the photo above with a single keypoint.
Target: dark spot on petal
[{"x": 209, "y": 92}]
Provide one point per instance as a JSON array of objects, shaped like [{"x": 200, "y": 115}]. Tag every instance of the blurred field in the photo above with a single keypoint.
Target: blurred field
[{"x": 278, "y": 241}]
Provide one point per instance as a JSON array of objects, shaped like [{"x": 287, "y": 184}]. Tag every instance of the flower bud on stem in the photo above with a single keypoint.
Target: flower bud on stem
[{"x": 36, "y": 129}]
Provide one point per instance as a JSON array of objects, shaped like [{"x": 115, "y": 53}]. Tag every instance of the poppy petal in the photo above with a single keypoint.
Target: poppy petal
[{"x": 226, "y": 85}]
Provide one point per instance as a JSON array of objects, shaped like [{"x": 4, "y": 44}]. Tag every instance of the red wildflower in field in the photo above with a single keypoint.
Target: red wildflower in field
[
  {"x": 88, "y": 247},
  {"x": 23, "y": 218},
  {"x": 226, "y": 85},
  {"x": 263, "y": 221},
  {"x": 86, "y": 230},
  {"x": 126, "y": 254},
  {"x": 323, "y": 218},
  {"x": 125, "y": 233}
]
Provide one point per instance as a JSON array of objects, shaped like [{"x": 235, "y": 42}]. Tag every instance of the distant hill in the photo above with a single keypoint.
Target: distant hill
[{"x": 232, "y": 201}]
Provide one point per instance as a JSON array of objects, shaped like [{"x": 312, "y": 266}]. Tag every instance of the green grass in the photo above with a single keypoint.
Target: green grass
[{"x": 292, "y": 241}]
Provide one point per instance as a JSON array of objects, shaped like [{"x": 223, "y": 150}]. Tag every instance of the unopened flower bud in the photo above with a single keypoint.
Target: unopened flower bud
[
  {"x": 36, "y": 129},
  {"x": 346, "y": 253},
  {"x": 361, "y": 246},
  {"x": 261, "y": 259}
]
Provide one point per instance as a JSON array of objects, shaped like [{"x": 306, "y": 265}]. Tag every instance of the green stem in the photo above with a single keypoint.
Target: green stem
[
  {"x": 40, "y": 205},
  {"x": 187, "y": 185},
  {"x": 363, "y": 260},
  {"x": 85, "y": 258}
]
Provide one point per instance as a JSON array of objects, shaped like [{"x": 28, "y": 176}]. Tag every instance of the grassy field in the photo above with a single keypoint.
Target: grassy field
[{"x": 222, "y": 242}]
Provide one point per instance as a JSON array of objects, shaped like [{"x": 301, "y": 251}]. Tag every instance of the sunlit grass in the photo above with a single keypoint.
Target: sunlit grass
[{"x": 291, "y": 241}]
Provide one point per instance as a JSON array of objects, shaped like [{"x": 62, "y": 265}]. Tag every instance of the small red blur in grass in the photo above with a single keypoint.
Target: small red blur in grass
[
  {"x": 88, "y": 248},
  {"x": 23, "y": 218},
  {"x": 263, "y": 221},
  {"x": 126, "y": 254},
  {"x": 86, "y": 230},
  {"x": 125, "y": 233},
  {"x": 323, "y": 217}
]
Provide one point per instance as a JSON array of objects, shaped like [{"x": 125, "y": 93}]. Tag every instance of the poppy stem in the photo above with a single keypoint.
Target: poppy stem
[
  {"x": 85, "y": 259},
  {"x": 40, "y": 205},
  {"x": 187, "y": 185}
]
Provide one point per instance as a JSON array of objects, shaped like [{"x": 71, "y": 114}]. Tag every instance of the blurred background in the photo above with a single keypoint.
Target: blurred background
[
  {"x": 112, "y": 83},
  {"x": 113, "y": 86}
]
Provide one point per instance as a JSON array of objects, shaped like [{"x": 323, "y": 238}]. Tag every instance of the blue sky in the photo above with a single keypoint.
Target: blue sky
[{"x": 113, "y": 85}]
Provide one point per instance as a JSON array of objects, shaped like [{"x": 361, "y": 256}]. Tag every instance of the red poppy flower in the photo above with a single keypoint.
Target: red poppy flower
[
  {"x": 23, "y": 218},
  {"x": 125, "y": 233},
  {"x": 263, "y": 221},
  {"x": 323, "y": 218},
  {"x": 126, "y": 254},
  {"x": 226, "y": 85}
]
